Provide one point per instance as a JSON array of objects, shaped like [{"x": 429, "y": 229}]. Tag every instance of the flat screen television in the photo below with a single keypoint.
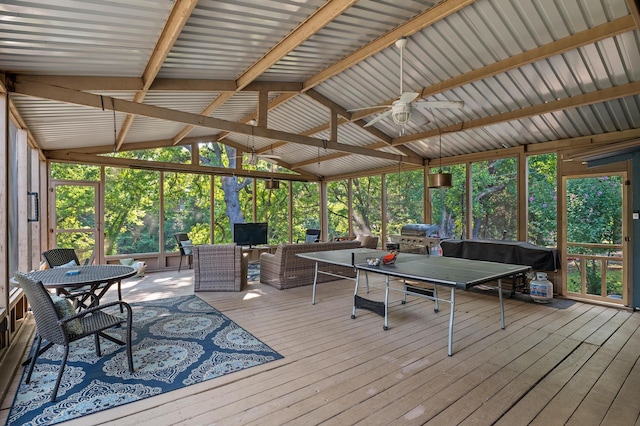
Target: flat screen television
[{"x": 250, "y": 234}]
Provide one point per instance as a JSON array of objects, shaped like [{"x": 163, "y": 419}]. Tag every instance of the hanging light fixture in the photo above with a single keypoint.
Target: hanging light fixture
[
  {"x": 440, "y": 179},
  {"x": 272, "y": 184}
]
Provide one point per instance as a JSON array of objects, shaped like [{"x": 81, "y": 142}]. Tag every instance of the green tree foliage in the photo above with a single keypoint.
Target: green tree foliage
[
  {"x": 187, "y": 207},
  {"x": 367, "y": 205},
  {"x": 448, "y": 205},
  {"x": 174, "y": 154},
  {"x": 75, "y": 207},
  {"x": 78, "y": 172},
  {"x": 494, "y": 199},
  {"x": 594, "y": 206},
  {"x": 233, "y": 196},
  {"x": 132, "y": 211},
  {"x": 405, "y": 199},
  {"x": 542, "y": 197},
  {"x": 306, "y": 208},
  {"x": 273, "y": 207},
  {"x": 338, "y": 208}
]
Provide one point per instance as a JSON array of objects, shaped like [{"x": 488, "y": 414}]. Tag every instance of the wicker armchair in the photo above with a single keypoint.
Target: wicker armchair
[
  {"x": 59, "y": 257},
  {"x": 219, "y": 267},
  {"x": 368, "y": 241},
  {"x": 58, "y": 324}
]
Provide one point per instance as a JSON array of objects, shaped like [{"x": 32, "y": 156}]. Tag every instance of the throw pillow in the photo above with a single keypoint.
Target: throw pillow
[
  {"x": 64, "y": 308},
  {"x": 187, "y": 247},
  {"x": 69, "y": 264}
]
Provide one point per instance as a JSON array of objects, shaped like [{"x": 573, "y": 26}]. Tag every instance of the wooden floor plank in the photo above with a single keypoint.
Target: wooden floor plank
[
  {"x": 549, "y": 366},
  {"x": 533, "y": 402},
  {"x": 596, "y": 404},
  {"x": 563, "y": 406}
]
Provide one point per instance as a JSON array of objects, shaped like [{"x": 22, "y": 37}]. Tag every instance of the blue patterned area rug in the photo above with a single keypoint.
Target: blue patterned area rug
[{"x": 177, "y": 342}]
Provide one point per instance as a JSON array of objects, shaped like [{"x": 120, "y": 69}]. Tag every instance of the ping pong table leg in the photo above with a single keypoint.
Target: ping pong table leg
[
  {"x": 501, "y": 304},
  {"x": 436, "y": 308},
  {"x": 315, "y": 281},
  {"x": 355, "y": 293},
  {"x": 452, "y": 301},
  {"x": 386, "y": 303}
]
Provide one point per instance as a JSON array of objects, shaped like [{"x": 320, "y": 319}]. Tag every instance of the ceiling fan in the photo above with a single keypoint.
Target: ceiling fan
[
  {"x": 253, "y": 157},
  {"x": 400, "y": 109}
]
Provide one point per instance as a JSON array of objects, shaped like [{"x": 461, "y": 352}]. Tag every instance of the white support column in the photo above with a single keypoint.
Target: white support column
[
  {"x": 34, "y": 227},
  {"x": 4, "y": 201},
  {"x": 21, "y": 183},
  {"x": 324, "y": 211}
]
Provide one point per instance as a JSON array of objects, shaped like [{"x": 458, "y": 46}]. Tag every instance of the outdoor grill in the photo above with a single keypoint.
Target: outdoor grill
[{"x": 417, "y": 238}]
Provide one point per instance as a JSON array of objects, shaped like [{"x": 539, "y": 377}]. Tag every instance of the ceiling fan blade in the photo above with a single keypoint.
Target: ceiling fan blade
[
  {"x": 271, "y": 156},
  {"x": 369, "y": 107},
  {"x": 439, "y": 104},
  {"x": 378, "y": 118},
  {"x": 407, "y": 97}
]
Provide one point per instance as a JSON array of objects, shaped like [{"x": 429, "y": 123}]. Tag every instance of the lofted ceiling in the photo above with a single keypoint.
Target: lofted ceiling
[{"x": 185, "y": 71}]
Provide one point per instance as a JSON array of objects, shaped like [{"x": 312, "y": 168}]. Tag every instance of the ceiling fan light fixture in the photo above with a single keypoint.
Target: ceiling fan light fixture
[{"x": 401, "y": 114}]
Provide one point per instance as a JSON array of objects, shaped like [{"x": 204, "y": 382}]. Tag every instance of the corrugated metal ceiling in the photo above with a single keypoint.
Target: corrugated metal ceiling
[{"x": 296, "y": 50}]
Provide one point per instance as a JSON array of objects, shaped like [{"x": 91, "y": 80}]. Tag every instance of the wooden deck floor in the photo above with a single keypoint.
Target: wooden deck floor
[{"x": 578, "y": 365}]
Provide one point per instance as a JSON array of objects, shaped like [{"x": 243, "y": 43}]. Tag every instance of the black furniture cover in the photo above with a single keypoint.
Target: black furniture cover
[{"x": 516, "y": 252}]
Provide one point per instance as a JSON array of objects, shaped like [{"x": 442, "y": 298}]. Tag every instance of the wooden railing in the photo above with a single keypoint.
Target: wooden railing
[{"x": 597, "y": 273}]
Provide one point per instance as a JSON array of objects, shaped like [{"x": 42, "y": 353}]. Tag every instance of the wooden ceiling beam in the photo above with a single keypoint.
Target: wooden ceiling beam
[
  {"x": 421, "y": 21},
  {"x": 315, "y": 22},
  {"x": 79, "y": 158},
  {"x": 96, "y": 101},
  {"x": 132, "y": 84},
  {"x": 318, "y": 20},
  {"x": 634, "y": 7},
  {"x": 601, "y": 32},
  {"x": 176, "y": 21}
]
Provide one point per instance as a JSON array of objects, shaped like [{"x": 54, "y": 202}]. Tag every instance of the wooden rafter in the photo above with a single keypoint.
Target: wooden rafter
[
  {"x": 603, "y": 95},
  {"x": 634, "y": 7},
  {"x": 61, "y": 94},
  {"x": 318, "y": 20},
  {"x": 175, "y": 23},
  {"x": 610, "y": 29}
]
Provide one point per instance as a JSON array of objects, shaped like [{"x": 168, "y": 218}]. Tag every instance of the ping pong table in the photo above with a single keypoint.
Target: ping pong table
[
  {"x": 346, "y": 258},
  {"x": 450, "y": 272}
]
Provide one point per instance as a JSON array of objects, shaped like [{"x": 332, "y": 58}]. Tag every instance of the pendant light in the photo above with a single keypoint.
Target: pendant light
[
  {"x": 271, "y": 184},
  {"x": 440, "y": 179}
]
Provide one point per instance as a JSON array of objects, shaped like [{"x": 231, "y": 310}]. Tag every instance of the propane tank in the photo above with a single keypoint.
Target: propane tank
[{"x": 541, "y": 289}]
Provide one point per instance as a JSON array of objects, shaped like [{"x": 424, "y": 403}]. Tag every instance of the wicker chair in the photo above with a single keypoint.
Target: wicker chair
[
  {"x": 219, "y": 267},
  {"x": 58, "y": 324},
  {"x": 186, "y": 248},
  {"x": 58, "y": 257},
  {"x": 368, "y": 241},
  {"x": 311, "y": 236}
]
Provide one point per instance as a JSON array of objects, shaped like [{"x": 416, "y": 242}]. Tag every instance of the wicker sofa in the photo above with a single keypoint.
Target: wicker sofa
[
  {"x": 219, "y": 267},
  {"x": 283, "y": 269}
]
